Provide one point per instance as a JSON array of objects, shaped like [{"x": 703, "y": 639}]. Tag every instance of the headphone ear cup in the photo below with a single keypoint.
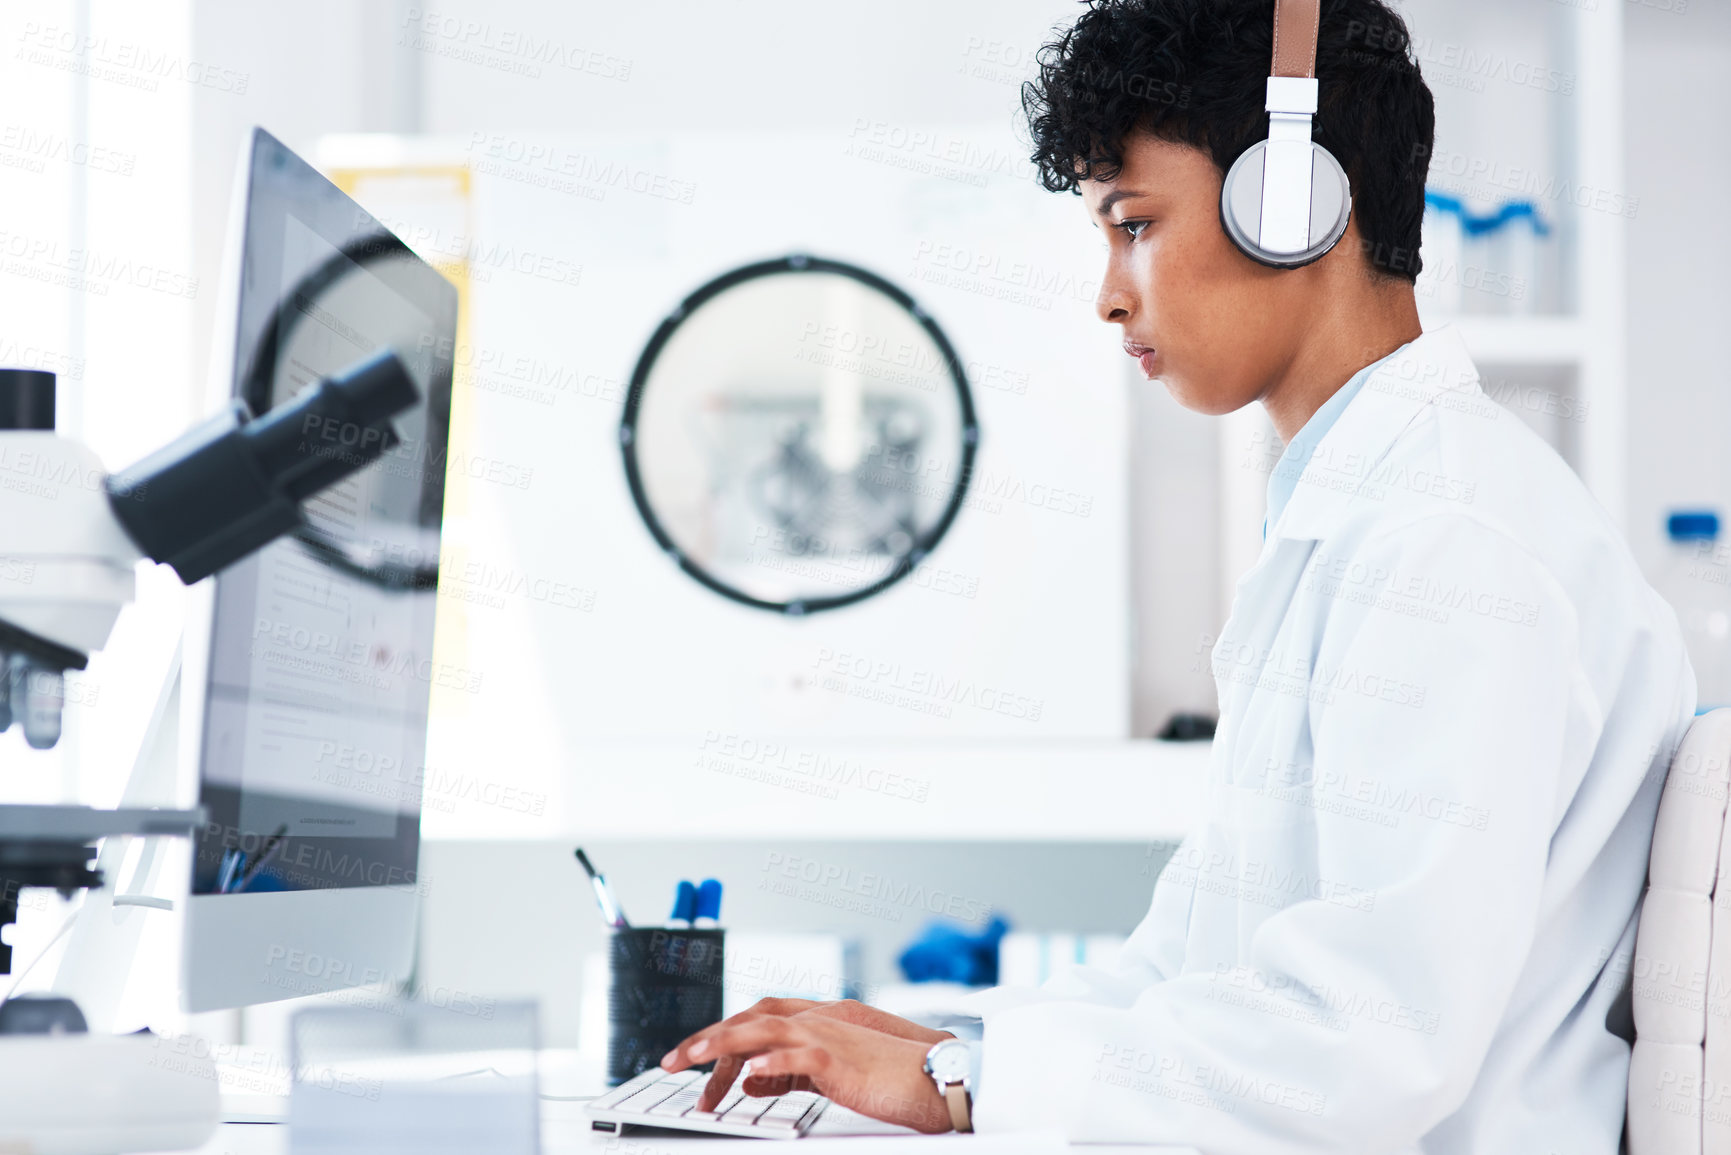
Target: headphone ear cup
[{"x": 1241, "y": 207}]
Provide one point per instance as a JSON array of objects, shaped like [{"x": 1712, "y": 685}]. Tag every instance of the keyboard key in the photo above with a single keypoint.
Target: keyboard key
[
  {"x": 788, "y": 1112},
  {"x": 682, "y": 1101},
  {"x": 747, "y": 1110},
  {"x": 733, "y": 1096},
  {"x": 625, "y": 1090},
  {"x": 654, "y": 1093}
]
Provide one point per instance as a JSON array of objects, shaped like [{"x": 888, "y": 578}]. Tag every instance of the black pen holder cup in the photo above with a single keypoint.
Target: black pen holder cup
[{"x": 663, "y": 984}]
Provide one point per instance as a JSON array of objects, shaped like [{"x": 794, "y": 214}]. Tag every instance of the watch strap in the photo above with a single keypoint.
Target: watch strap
[{"x": 961, "y": 1110}]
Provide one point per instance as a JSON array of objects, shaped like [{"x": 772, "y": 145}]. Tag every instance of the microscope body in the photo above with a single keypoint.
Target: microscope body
[
  {"x": 71, "y": 533},
  {"x": 66, "y": 570}
]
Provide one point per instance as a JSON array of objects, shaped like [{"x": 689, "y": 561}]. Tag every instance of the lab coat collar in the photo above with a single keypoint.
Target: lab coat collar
[{"x": 1348, "y": 455}]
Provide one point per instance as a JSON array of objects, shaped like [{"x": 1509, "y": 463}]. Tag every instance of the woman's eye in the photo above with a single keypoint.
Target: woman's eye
[{"x": 1133, "y": 229}]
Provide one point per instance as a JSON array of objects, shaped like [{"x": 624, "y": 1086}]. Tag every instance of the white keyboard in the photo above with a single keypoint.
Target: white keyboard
[{"x": 658, "y": 1099}]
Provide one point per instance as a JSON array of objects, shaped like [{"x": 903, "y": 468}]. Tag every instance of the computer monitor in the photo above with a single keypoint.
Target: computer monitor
[{"x": 308, "y": 668}]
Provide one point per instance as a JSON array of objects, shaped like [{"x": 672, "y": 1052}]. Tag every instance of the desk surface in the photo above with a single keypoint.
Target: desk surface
[{"x": 565, "y": 1129}]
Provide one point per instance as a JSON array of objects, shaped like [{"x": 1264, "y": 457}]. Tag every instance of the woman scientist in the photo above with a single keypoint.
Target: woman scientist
[{"x": 1447, "y": 696}]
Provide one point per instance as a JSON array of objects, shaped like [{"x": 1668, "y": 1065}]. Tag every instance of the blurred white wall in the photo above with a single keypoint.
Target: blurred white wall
[
  {"x": 1679, "y": 80},
  {"x": 170, "y": 123},
  {"x": 457, "y": 69},
  {"x": 326, "y": 66}
]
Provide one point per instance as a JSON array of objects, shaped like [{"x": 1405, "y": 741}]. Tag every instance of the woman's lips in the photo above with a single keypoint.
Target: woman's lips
[{"x": 1144, "y": 355}]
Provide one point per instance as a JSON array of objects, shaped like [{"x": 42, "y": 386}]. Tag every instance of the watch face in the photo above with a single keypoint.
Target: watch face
[{"x": 949, "y": 1062}]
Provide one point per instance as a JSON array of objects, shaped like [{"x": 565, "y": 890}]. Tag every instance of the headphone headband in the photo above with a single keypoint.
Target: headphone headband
[
  {"x": 1297, "y": 24},
  {"x": 1285, "y": 202}
]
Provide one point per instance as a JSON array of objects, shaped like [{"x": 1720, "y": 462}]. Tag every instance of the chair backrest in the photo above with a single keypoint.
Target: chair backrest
[{"x": 1680, "y": 1070}]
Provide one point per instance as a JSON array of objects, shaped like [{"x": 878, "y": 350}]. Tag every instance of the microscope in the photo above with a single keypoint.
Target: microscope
[{"x": 71, "y": 535}]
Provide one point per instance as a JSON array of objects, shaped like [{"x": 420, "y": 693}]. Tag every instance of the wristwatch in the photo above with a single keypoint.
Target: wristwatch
[{"x": 949, "y": 1063}]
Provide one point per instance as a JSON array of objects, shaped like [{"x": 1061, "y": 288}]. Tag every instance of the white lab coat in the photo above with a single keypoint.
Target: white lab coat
[{"x": 1447, "y": 701}]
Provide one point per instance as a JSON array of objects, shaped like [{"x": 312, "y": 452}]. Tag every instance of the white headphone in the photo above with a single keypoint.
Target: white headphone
[{"x": 1286, "y": 201}]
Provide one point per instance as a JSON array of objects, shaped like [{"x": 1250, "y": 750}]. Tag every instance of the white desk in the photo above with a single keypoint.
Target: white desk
[{"x": 565, "y": 1130}]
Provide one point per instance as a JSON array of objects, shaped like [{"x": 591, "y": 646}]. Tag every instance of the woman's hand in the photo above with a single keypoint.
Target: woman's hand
[
  {"x": 848, "y": 1011},
  {"x": 874, "y": 1072}
]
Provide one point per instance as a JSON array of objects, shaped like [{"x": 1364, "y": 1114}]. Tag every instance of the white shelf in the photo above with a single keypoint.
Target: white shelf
[{"x": 1132, "y": 791}]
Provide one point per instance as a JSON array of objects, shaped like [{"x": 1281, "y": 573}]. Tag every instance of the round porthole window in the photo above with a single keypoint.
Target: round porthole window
[{"x": 799, "y": 434}]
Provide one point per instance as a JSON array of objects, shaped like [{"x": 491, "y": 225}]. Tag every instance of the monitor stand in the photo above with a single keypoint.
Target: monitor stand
[{"x": 99, "y": 956}]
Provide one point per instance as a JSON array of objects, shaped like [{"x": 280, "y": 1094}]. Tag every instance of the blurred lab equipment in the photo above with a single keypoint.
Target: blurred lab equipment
[
  {"x": 1696, "y": 580},
  {"x": 1487, "y": 262},
  {"x": 799, "y": 434},
  {"x": 945, "y": 952}
]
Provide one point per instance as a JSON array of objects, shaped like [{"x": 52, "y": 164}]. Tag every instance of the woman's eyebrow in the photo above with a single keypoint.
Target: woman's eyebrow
[{"x": 1115, "y": 196}]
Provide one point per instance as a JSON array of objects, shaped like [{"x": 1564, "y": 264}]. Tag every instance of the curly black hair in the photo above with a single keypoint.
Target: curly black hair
[{"x": 1194, "y": 72}]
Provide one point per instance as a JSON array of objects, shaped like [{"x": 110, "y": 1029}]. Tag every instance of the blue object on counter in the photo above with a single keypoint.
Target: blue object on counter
[
  {"x": 1475, "y": 226},
  {"x": 946, "y": 953},
  {"x": 1692, "y": 525}
]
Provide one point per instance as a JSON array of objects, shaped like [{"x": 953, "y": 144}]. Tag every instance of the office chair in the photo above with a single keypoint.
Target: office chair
[{"x": 1680, "y": 1069}]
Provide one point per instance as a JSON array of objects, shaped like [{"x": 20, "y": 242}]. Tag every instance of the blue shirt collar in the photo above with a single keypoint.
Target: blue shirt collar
[{"x": 1284, "y": 477}]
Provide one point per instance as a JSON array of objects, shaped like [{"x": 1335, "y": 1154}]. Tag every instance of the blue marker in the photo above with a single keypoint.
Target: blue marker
[
  {"x": 708, "y": 903},
  {"x": 684, "y": 903}
]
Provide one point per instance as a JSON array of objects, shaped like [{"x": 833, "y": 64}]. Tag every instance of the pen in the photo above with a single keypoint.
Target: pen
[
  {"x": 610, "y": 912},
  {"x": 271, "y": 847},
  {"x": 708, "y": 903}
]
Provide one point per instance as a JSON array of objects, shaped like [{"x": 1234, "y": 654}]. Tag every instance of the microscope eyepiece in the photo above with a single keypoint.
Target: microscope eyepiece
[{"x": 235, "y": 483}]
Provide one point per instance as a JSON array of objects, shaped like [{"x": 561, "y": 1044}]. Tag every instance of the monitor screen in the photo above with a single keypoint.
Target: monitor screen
[{"x": 320, "y": 674}]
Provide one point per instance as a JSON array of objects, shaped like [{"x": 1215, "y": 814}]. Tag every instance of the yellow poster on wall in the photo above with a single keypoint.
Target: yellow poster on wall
[{"x": 427, "y": 205}]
